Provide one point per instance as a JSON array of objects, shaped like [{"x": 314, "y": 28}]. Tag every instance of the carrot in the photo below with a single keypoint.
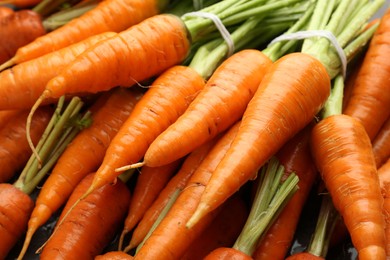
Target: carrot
[
  {"x": 89, "y": 146},
  {"x": 304, "y": 256},
  {"x": 24, "y": 83},
  {"x": 220, "y": 104},
  {"x": 15, "y": 207},
  {"x": 18, "y": 29},
  {"x": 381, "y": 144},
  {"x": 227, "y": 253},
  {"x": 149, "y": 184},
  {"x": 370, "y": 97},
  {"x": 340, "y": 147},
  {"x": 178, "y": 182},
  {"x": 5, "y": 11},
  {"x": 384, "y": 178},
  {"x": 22, "y": 4},
  {"x": 222, "y": 231},
  {"x": 278, "y": 110},
  {"x": 171, "y": 238},
  {"x": 6, "y": 115},
  {"x": 14, "y": 148},
  {"x": 295, "y": 156},
  {"x": 114, "y": 255},
  {"x": 91, "y": 225},
  {"x": 109, "y": 15}
]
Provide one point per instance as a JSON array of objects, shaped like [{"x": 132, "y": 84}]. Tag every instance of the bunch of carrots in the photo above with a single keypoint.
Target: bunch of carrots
[{"x": 157, "y": 129}]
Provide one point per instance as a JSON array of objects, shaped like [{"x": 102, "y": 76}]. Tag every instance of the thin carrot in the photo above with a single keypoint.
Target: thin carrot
[
  {"x": 150, "y": 183},
  {"x": 91, "y": 225},
  {"x": 227, "y": 253},
  {"x": 370, "y": 99},
  {"x": 178, "y": 182},
  {"x": 171, "y": 238},
  {"x": 384, "y": 178},
  {"x": 82, "y": 156},
  {"x": 109, "y": 15},
  {"x": 221, "y": 103},
  {"x": 381, "y": 144},
  {"x": 291, "y": 93},
  {"x": 343, "y": 154},
  {"x": 18, "y": 29},
  {"x": 14, "y": 148},
  {"x": 114, "y": 255},
  {"x": 24, "y": 83}
]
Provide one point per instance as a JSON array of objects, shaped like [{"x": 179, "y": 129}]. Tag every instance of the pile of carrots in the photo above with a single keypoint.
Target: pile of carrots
[{"x": 157, "y": 129}]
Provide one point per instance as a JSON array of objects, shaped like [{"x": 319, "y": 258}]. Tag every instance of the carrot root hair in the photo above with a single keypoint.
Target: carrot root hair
[
  {"x": 7, "y": 64},
  {"x": 129, "y": 167}
]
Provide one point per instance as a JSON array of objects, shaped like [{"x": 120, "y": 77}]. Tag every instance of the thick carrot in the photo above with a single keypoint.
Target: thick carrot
[
  {"x": 178, "y": 182},
  {"x": 114, "y": 255},
  {"x": 14, "y": 148},
  {"x": 343, "y": 155},
  {"x": 150, "y": 182},
  {"x": 370, "y": 98},
  {"x": 381, "y": 144},
  {"x": 225, "y": 253},
  {"x": 219, "y": 105},
  {"x": 6, "y": 115},
  {"x": 295, "y": 156},
  {"x": 5, "y": 11},
  {"x": 82, "y": 156},
  {"x": 24, "y": 83},
  {"x": 112, "y": 15},
  {"x": 91, "y": 225},
  {"x": 384, "y": 178},
  {"x": 291, "y": 93},
  {"x": 15, "y": 208},
  {"x": 171, "y": 238},
  {"x": 18, "y": 29}
]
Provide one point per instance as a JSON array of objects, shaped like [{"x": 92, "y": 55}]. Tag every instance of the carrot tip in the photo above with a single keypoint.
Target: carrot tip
[
  {"x": 200, "y": 211},
  {"x": 7, "y": 64},
  {"x": 131, "y": 166}
]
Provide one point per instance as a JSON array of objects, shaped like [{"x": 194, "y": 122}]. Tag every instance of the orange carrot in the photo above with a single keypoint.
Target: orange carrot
[
  {"x": 14, "y": 148},
  {"x": 23, "y": 4},
  {"x": 15, "y": 208},
  {"x": 111, "y": 15},
  {"x": 384, "y": 178},
  {"x": 304, "y": 256},
  {"x": 291, "y": 93},
  {"x": 114, "y": 255},
  {"x": 171, "y": 238},
  {"x": 370, "y": 98},
  {"x": 149, "y": 184},
  {"x": 24, "y": 83},
  {"x": 295, "y": 156},
  {"x": 178, "y": 182},
  {"x": 343, "y": 155},
  {"x": 381, "y": 144},
  {"x": 221, "y": 103},
  {"x": 18, "y": 29},
  {"x": 227, "y": 253},
  {"x": 6, "y": 115},
  {"x": 82, "y": 156},
  {"x": 5, "y": 11},
  {"x": 92, "y": 223}
]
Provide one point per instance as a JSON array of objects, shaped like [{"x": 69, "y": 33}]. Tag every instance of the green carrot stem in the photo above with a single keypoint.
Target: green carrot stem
[{"x": 334, "y": 103}]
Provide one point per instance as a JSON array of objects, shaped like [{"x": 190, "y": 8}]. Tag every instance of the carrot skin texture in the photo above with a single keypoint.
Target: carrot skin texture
[
  {"x": 381, "y": 144},
  {"x": 111, "y": 15},
  {"x": 304, "y": 256},
  {"x": 370, "y": 98},
  {"x": 179, "y": 181},
  {"x": 6, "y": 115},
  {"x": 5, "y": 11},
  {"x": 92, "y": 223},
  {"x": 89, "y": 146},
  {"x": 227, "y": 253},
  {"x": 18, "y": 29},
  {"x": 295, "y": 156},
  {"x": 283, "y": 104},
  {"x": 218, "y": 106},
  {"x": 125, "y": 59},
  {"x": 343, "y": 155},
  {"x": 114, "y": 255},
  {"x": 14, "y": 148},
  {"x": 22, "y": 84},
  {"x": 15, "y": 209},
  {"x": 384, "y": 178},
  {"x": 166, "y": 99},
  {"x": 171, "y": 238}
]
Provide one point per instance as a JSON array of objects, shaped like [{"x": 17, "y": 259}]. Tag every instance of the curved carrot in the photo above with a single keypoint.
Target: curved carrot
[
  {"x": 384, "y": 178},
  {"x": 171, "y": 238},
  {"x": 221, "y": 103},
  {"x": 114, "y": 255},
  {"x": 22, "y": 85},
  {"x": 227, "y": 253},
  {"x": 91, "y": 224},
  {"x": 291, "y": 93},
  {"x": 111, "y": 15},
  {"x": 381, "y": 144},
  {"x": 295, "y": 156},
  {"x": 343, "y": 155},
  {"x": 82, "y": 156},
  {"x": 370, "y": 98},
  {"x": 14, "y": 148},
  {"x": 150, "y": 182},
  {"x": 178, "y": 182},
  {"x": 18, "y": 29},
  {"x": 15, "y": 208}
]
